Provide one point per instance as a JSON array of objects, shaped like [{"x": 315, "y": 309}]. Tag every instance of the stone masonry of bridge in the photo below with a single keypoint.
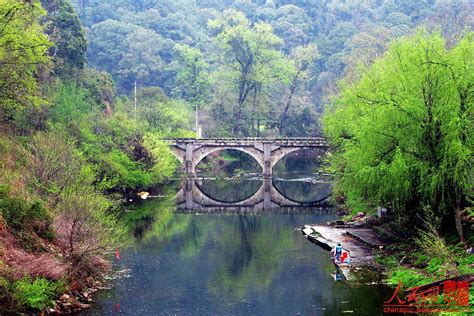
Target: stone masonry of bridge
[
  {"x": 266, "y": 151},
  {"x": 267, "y": 197}
]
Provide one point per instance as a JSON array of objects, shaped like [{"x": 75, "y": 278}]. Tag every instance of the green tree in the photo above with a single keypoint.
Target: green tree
[
  {"x": 192, "y": 78},
  {"x": 23, "y": 51},
  {"x": 250, "y": 58},
  {"x": 65, "y": 29},
  {"x": 402, "y": 134},
  {"x": 141, "y": 58},
  {"x": 293, "y": 25},
  {"x": 301, "y": 59}
]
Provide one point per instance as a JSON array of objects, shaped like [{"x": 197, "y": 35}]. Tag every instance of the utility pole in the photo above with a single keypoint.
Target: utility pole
[
  {"x": 135, "y": 101},
  {"x": 198, "y": 132}
]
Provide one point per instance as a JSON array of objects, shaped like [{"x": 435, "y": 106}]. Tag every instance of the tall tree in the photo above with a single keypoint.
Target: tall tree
[
  {"x": 65, "y": 29},
  {"x": 301, "y": 59},
  {"x": 193, "y": 77},
  {"x": 250, "y": 57}
]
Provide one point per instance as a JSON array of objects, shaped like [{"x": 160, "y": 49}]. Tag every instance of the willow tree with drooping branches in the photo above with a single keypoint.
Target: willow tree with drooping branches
[{"x": 403, "y": 133}]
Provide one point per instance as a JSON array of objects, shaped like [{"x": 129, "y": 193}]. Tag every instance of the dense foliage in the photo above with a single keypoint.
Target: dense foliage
[
  {"x": 23, "y": 47},
  {"x": 402, "y": 134},
  {"x": 139, "y": 41},
  {"x": 70, "y": 148}
]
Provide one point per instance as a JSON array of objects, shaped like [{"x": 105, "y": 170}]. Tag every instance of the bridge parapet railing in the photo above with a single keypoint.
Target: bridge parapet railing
[{"x": 248, "y": 140}]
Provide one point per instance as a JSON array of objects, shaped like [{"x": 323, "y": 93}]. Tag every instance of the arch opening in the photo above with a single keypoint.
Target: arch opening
[
  {"x": 228, "y": 191},
  {"x": 297, "y": 175},
  {"x": 228, "y": 162},
  {"x": 302, "y": 191},
  {"x": 298, "y": 163}
]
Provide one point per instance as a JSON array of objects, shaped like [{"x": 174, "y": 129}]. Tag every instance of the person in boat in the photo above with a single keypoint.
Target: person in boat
[{"x": 337, "y": 252}]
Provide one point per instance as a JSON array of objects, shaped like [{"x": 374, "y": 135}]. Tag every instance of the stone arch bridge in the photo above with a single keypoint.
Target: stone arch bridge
[
  {"x": 191, "y": 198},
  {"x": 266, "y": 151}
]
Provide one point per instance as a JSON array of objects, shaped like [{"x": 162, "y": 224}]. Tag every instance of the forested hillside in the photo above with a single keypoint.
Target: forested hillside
[
  {"x": 90, "y": 90},
  {"x": 70, "y": 150},
  {"x": 307, "y": 44}
]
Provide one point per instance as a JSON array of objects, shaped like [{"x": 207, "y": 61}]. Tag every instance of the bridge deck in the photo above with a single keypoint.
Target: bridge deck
[{"x": 221, "y": 141}]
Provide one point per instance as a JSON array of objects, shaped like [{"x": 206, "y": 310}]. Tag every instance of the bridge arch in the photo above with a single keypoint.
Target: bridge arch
[
  {"x": 191, "y": 197},
  {"x": 203, "y": 152},
  {"x": 315, "y": 202},
  {"x": 178, "y": 153},
  {"x": 282, "y": 152},
  {"x": 266, "y": 151}
]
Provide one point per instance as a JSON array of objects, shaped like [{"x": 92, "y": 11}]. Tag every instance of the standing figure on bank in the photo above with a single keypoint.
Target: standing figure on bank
[{"x": 337, "y": 251}]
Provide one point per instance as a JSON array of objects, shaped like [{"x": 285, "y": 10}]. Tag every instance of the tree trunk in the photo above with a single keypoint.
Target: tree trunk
[
  {"x": 287, "y": 107},
  {"x": 457, "y": 217}
]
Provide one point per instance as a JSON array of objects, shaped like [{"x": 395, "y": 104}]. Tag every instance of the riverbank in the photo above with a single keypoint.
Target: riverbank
[
  {"x": 358, "y": 242},
  {"x": 374, "y": 245}
]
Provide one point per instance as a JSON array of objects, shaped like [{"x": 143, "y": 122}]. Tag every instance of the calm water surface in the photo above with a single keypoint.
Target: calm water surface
[{"x": 183, "y": 263}]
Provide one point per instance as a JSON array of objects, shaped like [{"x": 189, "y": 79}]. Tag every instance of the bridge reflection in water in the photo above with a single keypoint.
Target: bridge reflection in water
[{"x": 193, "y": 198}]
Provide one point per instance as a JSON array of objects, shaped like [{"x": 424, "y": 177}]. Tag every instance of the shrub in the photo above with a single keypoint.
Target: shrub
[
  {"x": 37, "y": 294},
  {"x": 5, "y": 293},
  {"x": 430, "y": 242},
  {"x": 56, "y": 165},
  {"x": 409, "y": 278},
  {"x": 84, "y": 228},
  {"x": 21, "y": 215}
]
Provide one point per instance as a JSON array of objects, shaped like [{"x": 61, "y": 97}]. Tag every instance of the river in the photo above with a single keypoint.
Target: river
[{"x": 178, "y": 262}]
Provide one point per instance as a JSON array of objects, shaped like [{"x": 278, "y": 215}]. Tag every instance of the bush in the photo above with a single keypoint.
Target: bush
[
  {"x": 21, "y": 215},
  {"x": 84, "y": 228},
  {"x": 5, "y": 293},
  {"x": 431, "y": 243},
  {"x": 56, "y": 165},
  {"x": 37, "y": 294}
]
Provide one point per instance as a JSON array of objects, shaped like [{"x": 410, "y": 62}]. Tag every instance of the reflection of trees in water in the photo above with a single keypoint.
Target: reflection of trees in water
[
  {"x": 243, "y": 255},
  {"x": 246, "y": 251},
  {"x": 302, "y": 162},
  {"x": 250, "y": 257},
  {"x": 228, "y": 163},
  {"x": 301, "y": 191},
  {"x": 229, "y": 190},
  {"x": 154, "y": 218}
]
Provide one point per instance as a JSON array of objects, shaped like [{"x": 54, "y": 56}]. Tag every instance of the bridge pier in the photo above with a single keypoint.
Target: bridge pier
[
  {"x": 267, "y": 152},
  {"x": 267, "y": 197},
  {"x": 267, "y": 161},
  {"x": 188, "y": 191},
  {"x": 189, "y": 160}
]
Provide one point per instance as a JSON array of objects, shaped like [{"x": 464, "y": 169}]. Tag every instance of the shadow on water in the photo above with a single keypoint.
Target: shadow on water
[{"x": 231, "y": 191}]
